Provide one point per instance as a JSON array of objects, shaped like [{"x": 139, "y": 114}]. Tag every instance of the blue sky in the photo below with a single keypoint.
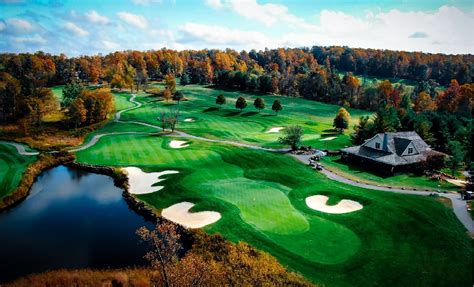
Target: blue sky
[{"x": 91, "y": 27}]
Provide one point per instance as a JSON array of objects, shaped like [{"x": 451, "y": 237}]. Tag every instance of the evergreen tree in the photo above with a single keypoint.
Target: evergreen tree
[
  {"x": 220, "y": 100},
  {"x": 184, "y": 80},
  {"x": 456, "y": 155},
  {"x": 276, "y": 107},
  {"x": 70, "y": 93},
  {"x": 259, "y": 104},
  {"x": 241, "y": 103}
]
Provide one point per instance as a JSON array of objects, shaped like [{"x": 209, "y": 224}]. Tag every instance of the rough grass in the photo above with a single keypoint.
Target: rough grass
[
  {"x": 12, "y": 166},
  {"x": 394, "y": 234}
]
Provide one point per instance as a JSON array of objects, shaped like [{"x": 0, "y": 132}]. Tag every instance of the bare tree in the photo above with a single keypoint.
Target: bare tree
[
  {"x": 165, "y": 245},
  {"x": 164, "y": 120}
]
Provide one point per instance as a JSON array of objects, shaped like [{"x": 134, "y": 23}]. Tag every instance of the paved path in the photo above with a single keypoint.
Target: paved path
[
  {"x": 20, "y": 148},
  {"x": 459, "y": 205}
]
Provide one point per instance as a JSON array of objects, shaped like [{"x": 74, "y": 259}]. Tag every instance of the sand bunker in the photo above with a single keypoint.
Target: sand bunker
[
  {"x": 456, "y": 182},
  {"x": 178, "y": 144},
  {"x": 189, "y": 120},
  {"x": 142, "y": 182},
  {"x": 318, "y": 202},
  {"x": 328, "y": 138},
  {"x": 275, "y": 130},
  {"x": 179, "y": 213}
]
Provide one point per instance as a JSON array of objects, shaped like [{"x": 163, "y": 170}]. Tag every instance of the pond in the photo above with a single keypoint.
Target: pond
[{"x": 71, "y": 219}]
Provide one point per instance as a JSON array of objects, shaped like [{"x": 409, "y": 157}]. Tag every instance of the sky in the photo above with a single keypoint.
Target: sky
[{"x": 75, "y": 27}]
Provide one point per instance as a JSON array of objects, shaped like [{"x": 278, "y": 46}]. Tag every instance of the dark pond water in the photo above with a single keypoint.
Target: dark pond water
[{"x": 72, "y": 219}]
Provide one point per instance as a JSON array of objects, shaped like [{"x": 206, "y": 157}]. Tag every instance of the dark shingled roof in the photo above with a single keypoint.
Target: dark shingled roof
[{"x": 394, "y": 144}]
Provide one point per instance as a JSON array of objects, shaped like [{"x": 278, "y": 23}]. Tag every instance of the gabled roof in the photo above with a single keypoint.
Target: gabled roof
[{"x": 393, "y": 146}]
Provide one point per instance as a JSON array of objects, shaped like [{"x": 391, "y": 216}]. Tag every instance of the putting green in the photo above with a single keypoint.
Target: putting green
[{"x": 262, "y": 204}]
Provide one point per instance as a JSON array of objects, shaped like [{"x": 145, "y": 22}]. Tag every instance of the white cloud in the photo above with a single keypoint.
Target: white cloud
[
  {"x": 76, "y": 30},
  {"x": 94, "y": 17},
  {"x": 216, "y": 4},
  {"x": 20, "y": 25},
  {"x": 221, "y": 37},
  {"x": 36, "y": 39},
  {"x": 133, "y": 19},
  {"x": 268, "y": 14},
  {"x": 110, "y": 45}
]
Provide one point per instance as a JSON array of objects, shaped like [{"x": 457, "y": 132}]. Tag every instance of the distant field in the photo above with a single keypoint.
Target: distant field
[
  {"x": 261, "y": 195},
  {"x": 12, "y": 166},
  {"x": 248, "y": 126}
]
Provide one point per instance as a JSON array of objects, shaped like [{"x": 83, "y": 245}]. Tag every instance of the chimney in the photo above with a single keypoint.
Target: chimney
[{"x": 385, "y": 142}]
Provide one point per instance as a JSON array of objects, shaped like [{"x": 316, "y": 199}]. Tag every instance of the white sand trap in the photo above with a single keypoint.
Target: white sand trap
[
  {"x": 189, "y": 120},
  {"x": 318, "y": 202},
  {"x": 275, "y": 130},
  {"x": 178, "y": 144},
  {"x": 328, "y": 139},
  {"x": 142, "y": 182},
  {"x": 179, "y": 213},
  {"x": 456, "y": 182}
]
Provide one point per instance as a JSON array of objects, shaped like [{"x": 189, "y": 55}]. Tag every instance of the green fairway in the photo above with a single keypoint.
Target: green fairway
[
  {"x": 261, "y": 198},
  {"x": 261, "y": 195},
  {"x": 12, "y": 166},
  {"x": 248, "y": 126}
]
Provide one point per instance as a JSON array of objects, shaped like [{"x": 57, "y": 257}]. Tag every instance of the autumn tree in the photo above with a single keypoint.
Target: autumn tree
[
  {"x": 170, "y": 83},
  {"x": 241, "y": 103},
  {"x": 276, "y": 107},
  {"x": 446, "y": 101},
  {"x": 220, "y": 100},
  {"x": 164, "y": 242},
  {"x": 259, "y": 104},
  {"x": 167, "y": 95},
  {"x": 77, "y": 112},
  {"x": 342, "y": 119},
  {"x": 292, "y": 136},
  {"x": 39, "y": 104},
  {"x": 424, "y": 103},
  {"x": 10, "y": 97}
]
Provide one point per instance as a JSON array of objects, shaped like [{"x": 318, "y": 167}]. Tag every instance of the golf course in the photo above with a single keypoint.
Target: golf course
[{"x": 218, "y": 172}]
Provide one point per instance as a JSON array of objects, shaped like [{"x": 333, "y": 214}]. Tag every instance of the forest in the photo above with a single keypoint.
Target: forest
[{"x": 438, "y": 106}]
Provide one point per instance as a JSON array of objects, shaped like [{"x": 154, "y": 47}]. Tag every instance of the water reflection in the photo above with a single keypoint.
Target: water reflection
[{"x": 72, "y": 219}]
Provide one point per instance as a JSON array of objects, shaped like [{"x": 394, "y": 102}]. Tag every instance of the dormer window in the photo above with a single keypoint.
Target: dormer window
[
  {"x": 377, "y": 145},
  {"x": 410, "y": 150}
]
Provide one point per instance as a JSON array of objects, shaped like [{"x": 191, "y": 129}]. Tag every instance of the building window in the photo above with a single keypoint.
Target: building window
[
  {"x": 410, "y": 150},
  {"x": 377, "y": 145}
]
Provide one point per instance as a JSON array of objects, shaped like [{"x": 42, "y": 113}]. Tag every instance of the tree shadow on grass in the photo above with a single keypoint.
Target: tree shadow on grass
[
  {"x": 359, "y": 168},
  {"x": 232, "y": 114},
  {"x": 269, "y": 115},
  {"x": 248, "y": 114},
  {"x": 211, "y": 109}
]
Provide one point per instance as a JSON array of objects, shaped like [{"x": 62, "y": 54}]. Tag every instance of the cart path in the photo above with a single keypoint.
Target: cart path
[
  {"x": 459, "y": 205},
  {"x": 20, "y": 148}
]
